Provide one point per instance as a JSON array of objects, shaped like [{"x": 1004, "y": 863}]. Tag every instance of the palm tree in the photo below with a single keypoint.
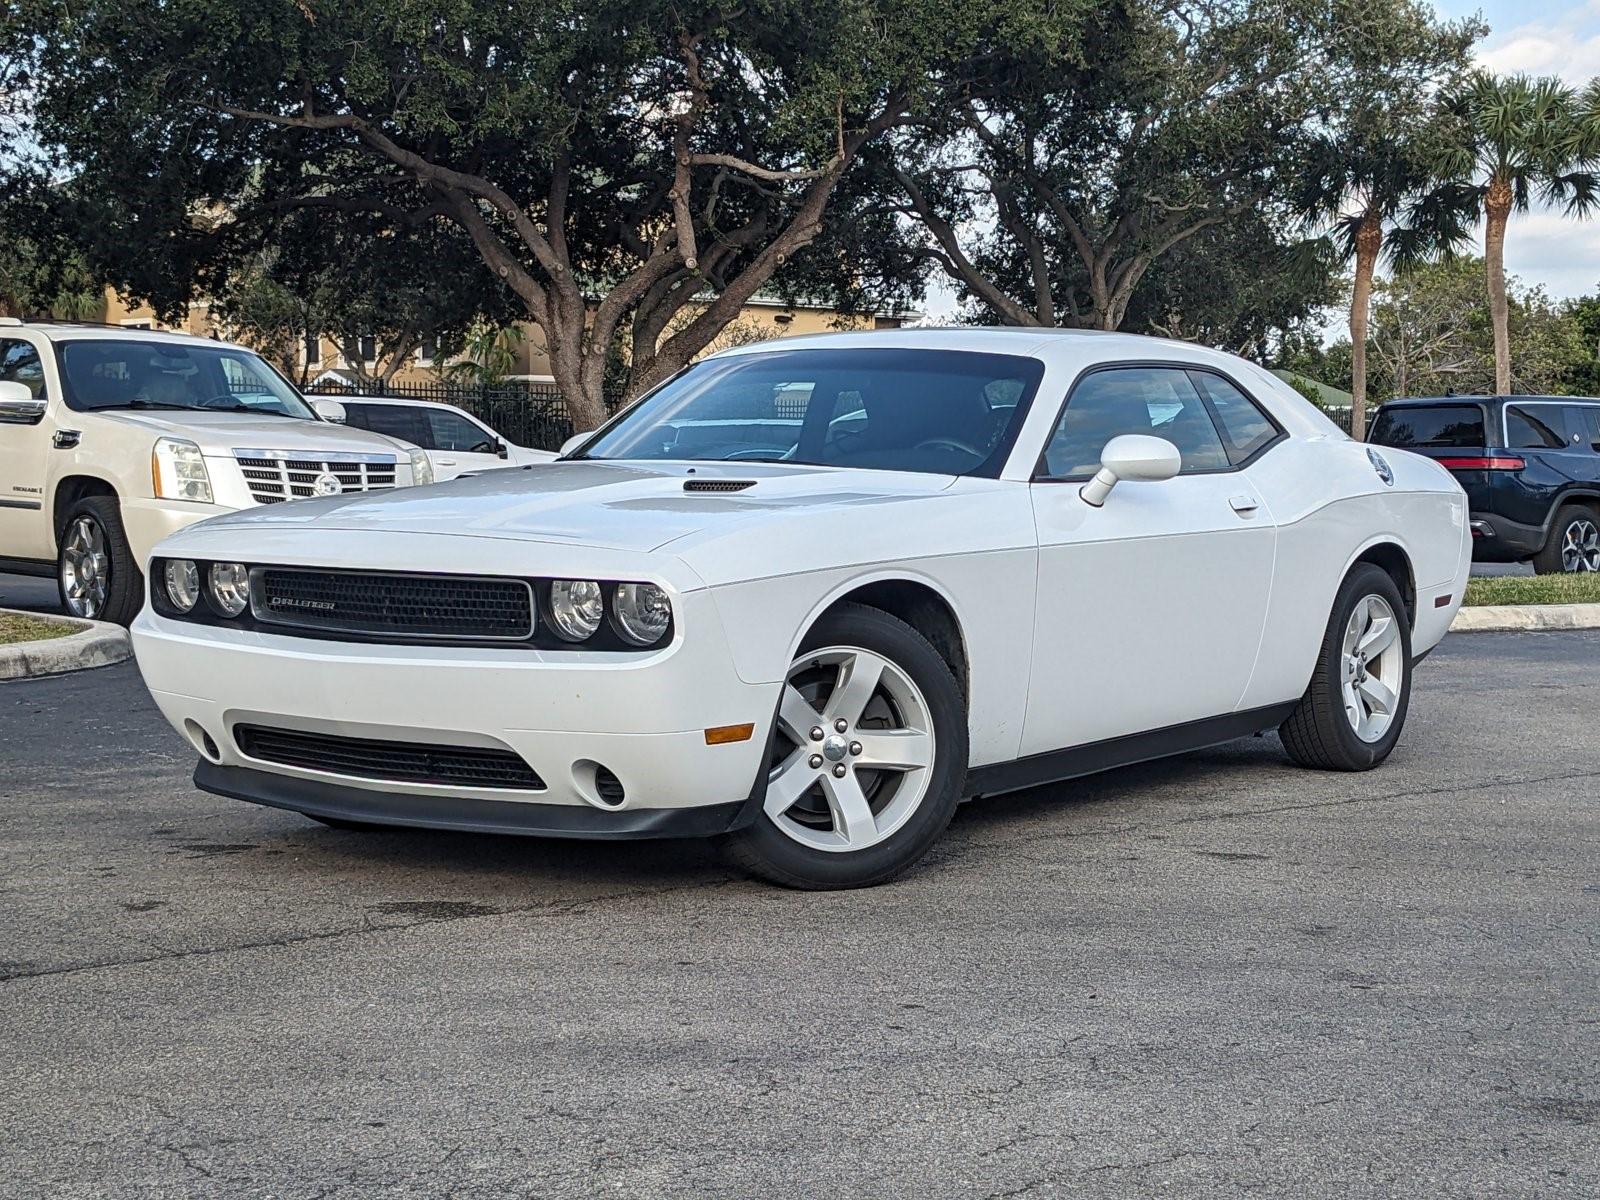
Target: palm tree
[
  {"x": 1369, "y": 196},
  {"x": 1518, "y": 138}
]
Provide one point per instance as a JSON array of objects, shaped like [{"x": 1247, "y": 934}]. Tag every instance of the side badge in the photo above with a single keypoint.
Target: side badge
[{"x": 1381, "y": 467}]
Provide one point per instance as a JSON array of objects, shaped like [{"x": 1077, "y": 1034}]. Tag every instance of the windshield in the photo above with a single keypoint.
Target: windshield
[
  {"x": 947, "y": 412},
  {"x": 116, "y": 373}
]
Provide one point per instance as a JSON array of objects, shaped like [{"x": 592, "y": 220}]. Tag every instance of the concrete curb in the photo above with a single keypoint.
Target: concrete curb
[
  {"x": 96, "y": 644},
  {"x": 1533, "y": 617}
]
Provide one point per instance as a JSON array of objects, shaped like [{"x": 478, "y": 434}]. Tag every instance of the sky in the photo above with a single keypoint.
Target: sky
[{"x": 1538, "y": 37}]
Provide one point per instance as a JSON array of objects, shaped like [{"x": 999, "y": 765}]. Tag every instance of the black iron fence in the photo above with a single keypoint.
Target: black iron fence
[{"x": 528, "y": 414}]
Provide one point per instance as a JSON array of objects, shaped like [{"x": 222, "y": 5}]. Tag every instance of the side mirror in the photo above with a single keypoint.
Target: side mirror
[
  {"x": 500, "y": 450},
  {"x": 18, "y": 406},
  {"x": 329, "y": 410},
  {"x": 1136, "y": 457},
  {"x": 572, "y": 443}
]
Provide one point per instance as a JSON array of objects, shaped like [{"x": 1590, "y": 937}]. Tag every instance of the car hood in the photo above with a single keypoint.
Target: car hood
[
  {"x": 617, "y": 506},
  {"x": 219, "y": 434}
]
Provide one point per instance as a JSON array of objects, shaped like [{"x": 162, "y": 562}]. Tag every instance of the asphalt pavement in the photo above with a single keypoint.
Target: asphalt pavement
[{"x": 1202, "y": 977}]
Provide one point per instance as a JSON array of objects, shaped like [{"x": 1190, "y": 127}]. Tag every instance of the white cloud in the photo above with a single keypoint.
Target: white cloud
[{"x": 1564, "y": 43}]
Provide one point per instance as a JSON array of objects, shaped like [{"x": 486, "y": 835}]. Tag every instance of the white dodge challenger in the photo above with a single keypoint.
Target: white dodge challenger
[{"x": 808, "y": 596}]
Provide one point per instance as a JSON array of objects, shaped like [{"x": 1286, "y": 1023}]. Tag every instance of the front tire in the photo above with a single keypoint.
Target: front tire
[
  {"x": 867, "y": 761},
  {"x": 1351, "y": 716},
  {"x": 95, "y": 570},
  {"x": 1573, "y": 546}
]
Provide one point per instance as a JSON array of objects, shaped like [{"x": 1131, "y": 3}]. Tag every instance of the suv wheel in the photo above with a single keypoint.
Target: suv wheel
[
  {"x": 95, "y": 571},
  {"x": 867, "y": 761},
  {"x": 1351, "y": 715},
  {"x": 1573, "y": 545}
]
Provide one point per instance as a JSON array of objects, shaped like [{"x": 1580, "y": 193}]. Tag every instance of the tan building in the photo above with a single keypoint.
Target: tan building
[{"x": 759, "y": 320}]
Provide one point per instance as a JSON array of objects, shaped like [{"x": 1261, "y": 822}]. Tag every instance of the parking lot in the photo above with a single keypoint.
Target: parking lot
[{"x": 1213, "y": 974}]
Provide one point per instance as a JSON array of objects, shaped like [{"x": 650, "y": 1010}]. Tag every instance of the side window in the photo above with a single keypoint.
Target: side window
[
  {"x": 1591, "y": 426},
  {"x": 397, "y": 420},
  {"x": 1527, "y": 431},
  {"x": 452, "y": 431},
  {"x": 1579, "y": 428},
  {"x": 1160, "y": 401},
  {"x": 1245, "y": 428},
  {"x": 19, "y": 363}
]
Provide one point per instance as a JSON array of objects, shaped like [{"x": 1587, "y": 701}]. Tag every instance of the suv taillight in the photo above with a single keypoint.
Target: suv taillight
[{"x": 1481, "y": 464}]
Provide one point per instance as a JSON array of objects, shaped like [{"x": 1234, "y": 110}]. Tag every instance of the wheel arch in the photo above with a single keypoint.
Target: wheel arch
[
  {"x": 1391, "y": 557},
  {"x": 914, "y": 599},
  {"x": 69, "y": 490}
]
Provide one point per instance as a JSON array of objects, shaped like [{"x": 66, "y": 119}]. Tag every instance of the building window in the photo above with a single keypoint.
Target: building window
[
  {"x": 313, "y": 349},
  {"x": 429, "y": 350},
  {"x": 369, "y": 348}
]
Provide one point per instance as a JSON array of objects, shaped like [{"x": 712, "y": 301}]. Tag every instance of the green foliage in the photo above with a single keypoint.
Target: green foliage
[
  {"x": 1431, "y": 335},
  {"x": 1583, "y": 377},
  {"x": 488, "y": 354},
  {"x": 43, "y": 270},
  {"x": 1050, "y": 198}
]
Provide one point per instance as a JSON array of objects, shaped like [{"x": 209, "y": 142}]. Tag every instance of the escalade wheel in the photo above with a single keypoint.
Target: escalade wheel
[
  {"x": 95, "y": 571},
  {"x": 1573, "y": 545},
  {"x": 867, "y": 760},
  {"x": 1351, "y": 715}
]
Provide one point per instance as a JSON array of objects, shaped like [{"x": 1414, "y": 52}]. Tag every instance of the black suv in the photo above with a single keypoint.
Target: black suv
[{"x": 1530, "y": 466}]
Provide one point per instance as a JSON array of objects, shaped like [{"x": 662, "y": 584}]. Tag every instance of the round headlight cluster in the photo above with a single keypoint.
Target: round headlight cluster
[
  {"x": 576, "y": 608},
  {"x": 230, "y": 588},
  {"x": 182, "y": 579},
  {"x": 641, "y": 613}
]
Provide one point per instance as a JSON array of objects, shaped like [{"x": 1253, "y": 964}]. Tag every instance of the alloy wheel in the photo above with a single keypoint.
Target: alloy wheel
[
  {"x": 854, "y": 753},
  {"x": 85, "y": 568},
  {"x": 1372, "y": 668},
  {"x": 1580, "y": 547}
]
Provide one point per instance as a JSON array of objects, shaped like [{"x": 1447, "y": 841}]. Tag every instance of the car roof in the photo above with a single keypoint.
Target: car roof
[
  {"x": 1429, "y": 401},
  {"x": 72, "y": 331}
]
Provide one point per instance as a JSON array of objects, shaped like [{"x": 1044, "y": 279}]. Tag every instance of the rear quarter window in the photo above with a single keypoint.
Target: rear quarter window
[{"x": 1441, "y": 426}]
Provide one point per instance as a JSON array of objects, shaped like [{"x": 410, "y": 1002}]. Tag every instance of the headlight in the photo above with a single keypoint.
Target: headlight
[
  {"x": 421, "y": 468},
  {"x": 642, "y": 612},
  {"x": 178, "y": 471},
  {"x": 576, "y": 608},
  {"x": 230, "y": 588},
  {"x": 182, "y": 579}
]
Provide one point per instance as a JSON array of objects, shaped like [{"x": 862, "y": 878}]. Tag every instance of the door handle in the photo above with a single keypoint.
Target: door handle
[
  {"x": 1243, "y": 505},
  {"x": 447, "y": 462}
]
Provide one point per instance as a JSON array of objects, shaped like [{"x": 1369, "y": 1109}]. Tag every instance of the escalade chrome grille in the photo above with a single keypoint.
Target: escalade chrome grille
[
  {"x": 433, "y": 607},
  {"x": 404, "y": 762},
  {"x": 277, "y": 475}
]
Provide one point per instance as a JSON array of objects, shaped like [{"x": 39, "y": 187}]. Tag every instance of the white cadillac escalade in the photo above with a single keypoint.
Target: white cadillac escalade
[{"x": 113, "y": 438}]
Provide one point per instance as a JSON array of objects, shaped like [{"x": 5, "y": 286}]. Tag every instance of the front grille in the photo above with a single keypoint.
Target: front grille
[
  {"x": 433, "y": 607},
  {"x": 401, "y": 762},
  {"x": 274, "y": 476}
]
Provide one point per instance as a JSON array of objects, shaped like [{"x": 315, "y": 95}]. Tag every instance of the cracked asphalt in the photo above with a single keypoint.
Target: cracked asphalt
[{"x": 1211, "y": 975}]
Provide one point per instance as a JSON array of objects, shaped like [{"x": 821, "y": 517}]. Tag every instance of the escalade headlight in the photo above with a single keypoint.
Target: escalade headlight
[
  {"x": 178, "y": 471},
  {"x": 421, "y": 468}
]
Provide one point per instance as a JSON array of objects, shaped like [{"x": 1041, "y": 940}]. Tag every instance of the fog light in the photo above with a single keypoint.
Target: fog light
[
  {"x": 230, "y": 588},
  {"x": 182, "y": 578}
]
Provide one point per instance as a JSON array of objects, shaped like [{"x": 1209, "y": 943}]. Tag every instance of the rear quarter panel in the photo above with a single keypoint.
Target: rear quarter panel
[{"x": 1331, "y": 507}]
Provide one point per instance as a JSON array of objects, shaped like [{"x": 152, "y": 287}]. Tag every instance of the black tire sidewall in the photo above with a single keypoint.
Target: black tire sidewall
[
  {"x": 1365, "y": 581},
  {"x": 125, "y": 589},
  {"x": 1548, "y": 560},
  {"x": 765, "y": 849}
]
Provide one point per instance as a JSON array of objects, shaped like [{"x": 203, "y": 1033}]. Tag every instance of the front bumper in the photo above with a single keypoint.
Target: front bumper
[
  {"x": 467, "y": 815},
  {"x": 643, "y": 717},
  {"x": 147, "y": 522}
]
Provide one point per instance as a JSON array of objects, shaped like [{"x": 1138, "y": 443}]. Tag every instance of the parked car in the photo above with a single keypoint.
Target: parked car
[
  {"x": 1530, "y": 466},
  {"x": 1031, "y": 556},
  {"x": 455, "y": 441},
  {"x": 112, "y": 438}
]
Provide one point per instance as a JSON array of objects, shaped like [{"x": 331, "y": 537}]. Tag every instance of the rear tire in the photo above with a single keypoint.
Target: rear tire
[
  {"x": 1351, "y": 716},
  {"x": 1573, "y": 546},
  {"x": 855, "y": 806},
  {"x": 96, "y": 574}
]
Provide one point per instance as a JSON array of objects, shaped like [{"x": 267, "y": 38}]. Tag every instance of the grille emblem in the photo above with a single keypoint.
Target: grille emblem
[{"x": 326, "y": 485}]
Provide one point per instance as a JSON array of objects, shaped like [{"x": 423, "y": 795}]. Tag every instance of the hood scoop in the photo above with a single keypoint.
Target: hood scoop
[{"x": 717, "y": 485}]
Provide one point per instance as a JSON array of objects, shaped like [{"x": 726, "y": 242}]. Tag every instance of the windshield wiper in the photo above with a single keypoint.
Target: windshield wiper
[{"x": 144, "y": 404}]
